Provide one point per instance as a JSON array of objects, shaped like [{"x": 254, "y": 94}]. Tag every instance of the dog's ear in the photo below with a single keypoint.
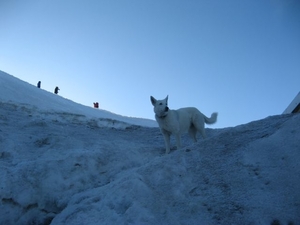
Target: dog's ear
[
  {"x": 167, "y": 98},
  {"x": 153, "y": 100}
]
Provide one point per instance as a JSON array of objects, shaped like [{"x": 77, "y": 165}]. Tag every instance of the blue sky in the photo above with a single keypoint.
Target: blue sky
[{"x": 238, "y": 58}]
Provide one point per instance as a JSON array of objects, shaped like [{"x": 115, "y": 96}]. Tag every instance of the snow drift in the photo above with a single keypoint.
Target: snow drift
[{"x": 63, "y": 164}]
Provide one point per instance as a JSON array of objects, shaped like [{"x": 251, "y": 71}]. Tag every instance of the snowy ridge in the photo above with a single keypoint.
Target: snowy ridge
[
  {"x": 68, "y": 168},
  {"x": 15, "y": 90}
]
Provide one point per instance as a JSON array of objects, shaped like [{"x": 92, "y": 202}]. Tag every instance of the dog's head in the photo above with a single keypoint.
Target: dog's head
[{"x": 160, "y": 106}]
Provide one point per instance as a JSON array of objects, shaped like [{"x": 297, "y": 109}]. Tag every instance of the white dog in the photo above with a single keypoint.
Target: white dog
[{"x": 178, "y": 121}]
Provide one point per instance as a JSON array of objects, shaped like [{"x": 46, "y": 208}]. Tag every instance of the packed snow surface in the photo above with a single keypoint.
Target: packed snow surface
[{"x": 64, "y": 163}]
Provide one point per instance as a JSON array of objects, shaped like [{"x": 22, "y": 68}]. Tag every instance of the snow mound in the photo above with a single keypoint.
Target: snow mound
[
  {"x": 54, "y": 171},
  {"x": 67, "y": 167}
]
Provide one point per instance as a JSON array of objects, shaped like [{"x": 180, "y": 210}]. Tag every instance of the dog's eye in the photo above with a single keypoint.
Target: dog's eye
[{"x": 160, "y": 103}]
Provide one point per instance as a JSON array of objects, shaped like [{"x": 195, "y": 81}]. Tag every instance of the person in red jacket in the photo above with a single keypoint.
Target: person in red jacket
[{"x": 96, "y": 105}]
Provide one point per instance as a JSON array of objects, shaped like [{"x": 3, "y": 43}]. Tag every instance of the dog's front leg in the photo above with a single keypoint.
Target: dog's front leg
[{"x": 167, "y": 141}]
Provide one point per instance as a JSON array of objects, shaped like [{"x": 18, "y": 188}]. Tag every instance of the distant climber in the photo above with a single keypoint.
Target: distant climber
[
  {"x": 56, "y": 90},
  {"x": 39, "y": 84},
  {"x": 96, "y": 105}
]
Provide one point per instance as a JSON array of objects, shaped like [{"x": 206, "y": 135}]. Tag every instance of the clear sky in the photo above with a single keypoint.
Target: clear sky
[{"x": 239, "y": 58}]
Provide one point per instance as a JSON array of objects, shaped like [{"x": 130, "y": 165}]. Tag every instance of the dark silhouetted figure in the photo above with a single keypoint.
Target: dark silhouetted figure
[
  {"x": 56, "y": 90},
  {"x": 39, "y": 84},
  {"x": 96, "y": 105}
]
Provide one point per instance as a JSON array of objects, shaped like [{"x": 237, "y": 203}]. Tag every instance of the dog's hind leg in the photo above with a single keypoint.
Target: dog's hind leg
[
  {"x": 193, "y": 132},
  {"x": 203, "y": 133},
  {"x": 178, "y": 141},
  {"x": 199, "y": 125}
]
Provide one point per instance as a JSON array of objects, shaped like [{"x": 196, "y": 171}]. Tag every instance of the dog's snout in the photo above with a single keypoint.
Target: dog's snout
[{"x": 167, "y": 108}]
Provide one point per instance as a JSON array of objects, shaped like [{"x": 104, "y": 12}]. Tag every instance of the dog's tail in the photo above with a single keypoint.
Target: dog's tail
[{"x": 212, "y": 119}]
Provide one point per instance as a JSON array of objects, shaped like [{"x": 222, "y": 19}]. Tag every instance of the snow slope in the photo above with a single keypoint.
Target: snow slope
[
  {"x": 18, "y": 91},
  {"x": 63, "y": 166}
]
